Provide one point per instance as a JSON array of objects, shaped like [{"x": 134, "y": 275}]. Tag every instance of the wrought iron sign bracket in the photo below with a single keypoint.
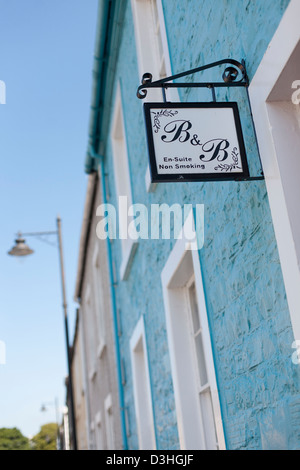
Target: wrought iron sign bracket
[{"x": 234, "y": 75}]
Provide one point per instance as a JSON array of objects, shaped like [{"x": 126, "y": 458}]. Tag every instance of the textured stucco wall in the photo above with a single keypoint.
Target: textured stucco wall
[{"x": 246, "y": 302}]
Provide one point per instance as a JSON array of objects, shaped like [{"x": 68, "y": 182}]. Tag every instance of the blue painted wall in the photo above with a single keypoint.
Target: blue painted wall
[{"x": 246, "y": 301}]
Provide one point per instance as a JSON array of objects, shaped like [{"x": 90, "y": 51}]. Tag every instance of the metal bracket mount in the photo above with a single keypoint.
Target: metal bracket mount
[{"x": 234, "y": 75}]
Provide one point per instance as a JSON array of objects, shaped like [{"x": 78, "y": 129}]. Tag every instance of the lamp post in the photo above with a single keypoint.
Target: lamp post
[
  {"x": 21, "y": 249},
  {"x": 43, "y": 409}
]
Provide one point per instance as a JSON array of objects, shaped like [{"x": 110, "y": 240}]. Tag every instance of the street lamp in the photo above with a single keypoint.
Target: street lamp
[{"x": 21, "y": 249}]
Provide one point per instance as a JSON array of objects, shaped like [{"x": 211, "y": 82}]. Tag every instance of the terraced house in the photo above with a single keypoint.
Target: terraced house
[{"x": 197, "y": 344}]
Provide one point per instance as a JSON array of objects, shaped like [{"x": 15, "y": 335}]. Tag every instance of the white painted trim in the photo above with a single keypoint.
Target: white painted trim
[
  {"x": 87, "y": 295},
  {"x": 275, "y": 59},
  {"x": 137, "y": 337},
  {"x": 109, "y": 422},
  {"x": 86, "y": 388},
  {"x": 98, "y": 431},
  {"x": 108, "y": 402},
  {"x": 164, "y": 38},
  {"x": 141, "y": 11},
  {"x": 88, "y": 313},
  {"x": 187, "y": 407},
  {"x": 98, "y": 418},
  {"x": 150, "y": 187},
  {"x": 129, "y": 246},
  {"x": 93, "y": 373},
  {"x": 172, "y": 93},
  {"x": 100, "y": 350},
  {"x": 95, "y": 255},
  {"x": 115, "y": 130},
  {"x": 91, "y": 182},
  {"x": 99, "y": 311},
  {"x": 128, "y": 258}
]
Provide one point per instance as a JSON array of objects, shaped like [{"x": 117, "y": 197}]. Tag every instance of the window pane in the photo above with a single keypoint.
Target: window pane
[
  {"x": 155, "y": 12},
  {"x": 159, "y": 45},
  {"x": 194, "y": 307},
  {"x": 201, "y": 359},
  {"x": 208, "y": 420},
  {"x": 162, "y": 71}
]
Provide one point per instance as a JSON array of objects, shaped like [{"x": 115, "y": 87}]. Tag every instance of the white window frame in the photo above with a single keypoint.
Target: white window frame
[
  {"x": 84, "y": 364},
  {"x": 176, "y": 273},
  {"x": 93, "y": 437},
  {"x": 99, "y": 431},
  {"x": 142, "y": 390},
  {"x": 129, "y": 245},
  {"x": 99, "y": 307},
  {"x": 268, "y": 113},
  {"x": 144, "y": 31},
  {"x": 91, "y": 345},
  {"x": 109, "y": 422}
]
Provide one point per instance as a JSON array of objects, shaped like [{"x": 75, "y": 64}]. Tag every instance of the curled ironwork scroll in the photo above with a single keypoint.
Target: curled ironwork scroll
[{"x": 233, "y": 76}]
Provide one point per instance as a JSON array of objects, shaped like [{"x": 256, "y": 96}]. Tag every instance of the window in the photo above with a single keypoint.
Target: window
[
  {"x": 84, "y": 366},
  {"x": 99, "y": 308},
  {"x": 99, "y": 432},
  {"x": 109, "y": 423},
  {"x": 92, "y": 436},
  {"x": 196, "y": 395},
  {"x": 276, "y": 117},
  {"x": 90, "y": 331},
  {"x": 158, "y": 43},
  {"x": 152, "y": 51},
  {"x": 151, "y": 39},
  {"x": 203, "y": 386},
  {"x": 123, "y": 185},
  {"x": 141, "y": 387}
]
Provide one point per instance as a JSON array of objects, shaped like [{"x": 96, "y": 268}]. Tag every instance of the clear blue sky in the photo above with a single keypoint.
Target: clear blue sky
[{"x": 46, "y": 60}]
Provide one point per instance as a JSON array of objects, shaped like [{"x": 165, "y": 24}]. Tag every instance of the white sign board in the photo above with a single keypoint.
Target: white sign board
[{"x": 195, "y": 142}]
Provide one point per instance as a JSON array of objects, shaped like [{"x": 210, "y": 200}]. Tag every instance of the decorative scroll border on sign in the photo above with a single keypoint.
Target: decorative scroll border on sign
[{"x": 211, "y": 159}]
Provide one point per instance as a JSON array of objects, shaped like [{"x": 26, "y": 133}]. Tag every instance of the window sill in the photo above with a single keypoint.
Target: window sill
[
  {"x": 150, "y": 187},
  {"x": 101, "y": 348},
  {"x": 92, "y": 374},
  {"x": 127, "y": 259}
]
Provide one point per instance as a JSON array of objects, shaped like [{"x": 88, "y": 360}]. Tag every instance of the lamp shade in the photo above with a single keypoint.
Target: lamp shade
[{"x": 20, "y": 248}]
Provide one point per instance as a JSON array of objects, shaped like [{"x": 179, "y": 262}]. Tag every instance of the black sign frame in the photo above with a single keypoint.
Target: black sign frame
[{"x": 195, "y": 177}]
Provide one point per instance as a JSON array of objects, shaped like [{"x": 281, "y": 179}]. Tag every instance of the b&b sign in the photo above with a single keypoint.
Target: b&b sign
[{"x": 195, "y": 142}]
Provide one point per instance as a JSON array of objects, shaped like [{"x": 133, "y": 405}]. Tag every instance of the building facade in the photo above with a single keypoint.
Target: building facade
[
  {"x": 79, "y": 392},
  {"x": 94, "y": 365},
  {"x": 205, "y": 339}
]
